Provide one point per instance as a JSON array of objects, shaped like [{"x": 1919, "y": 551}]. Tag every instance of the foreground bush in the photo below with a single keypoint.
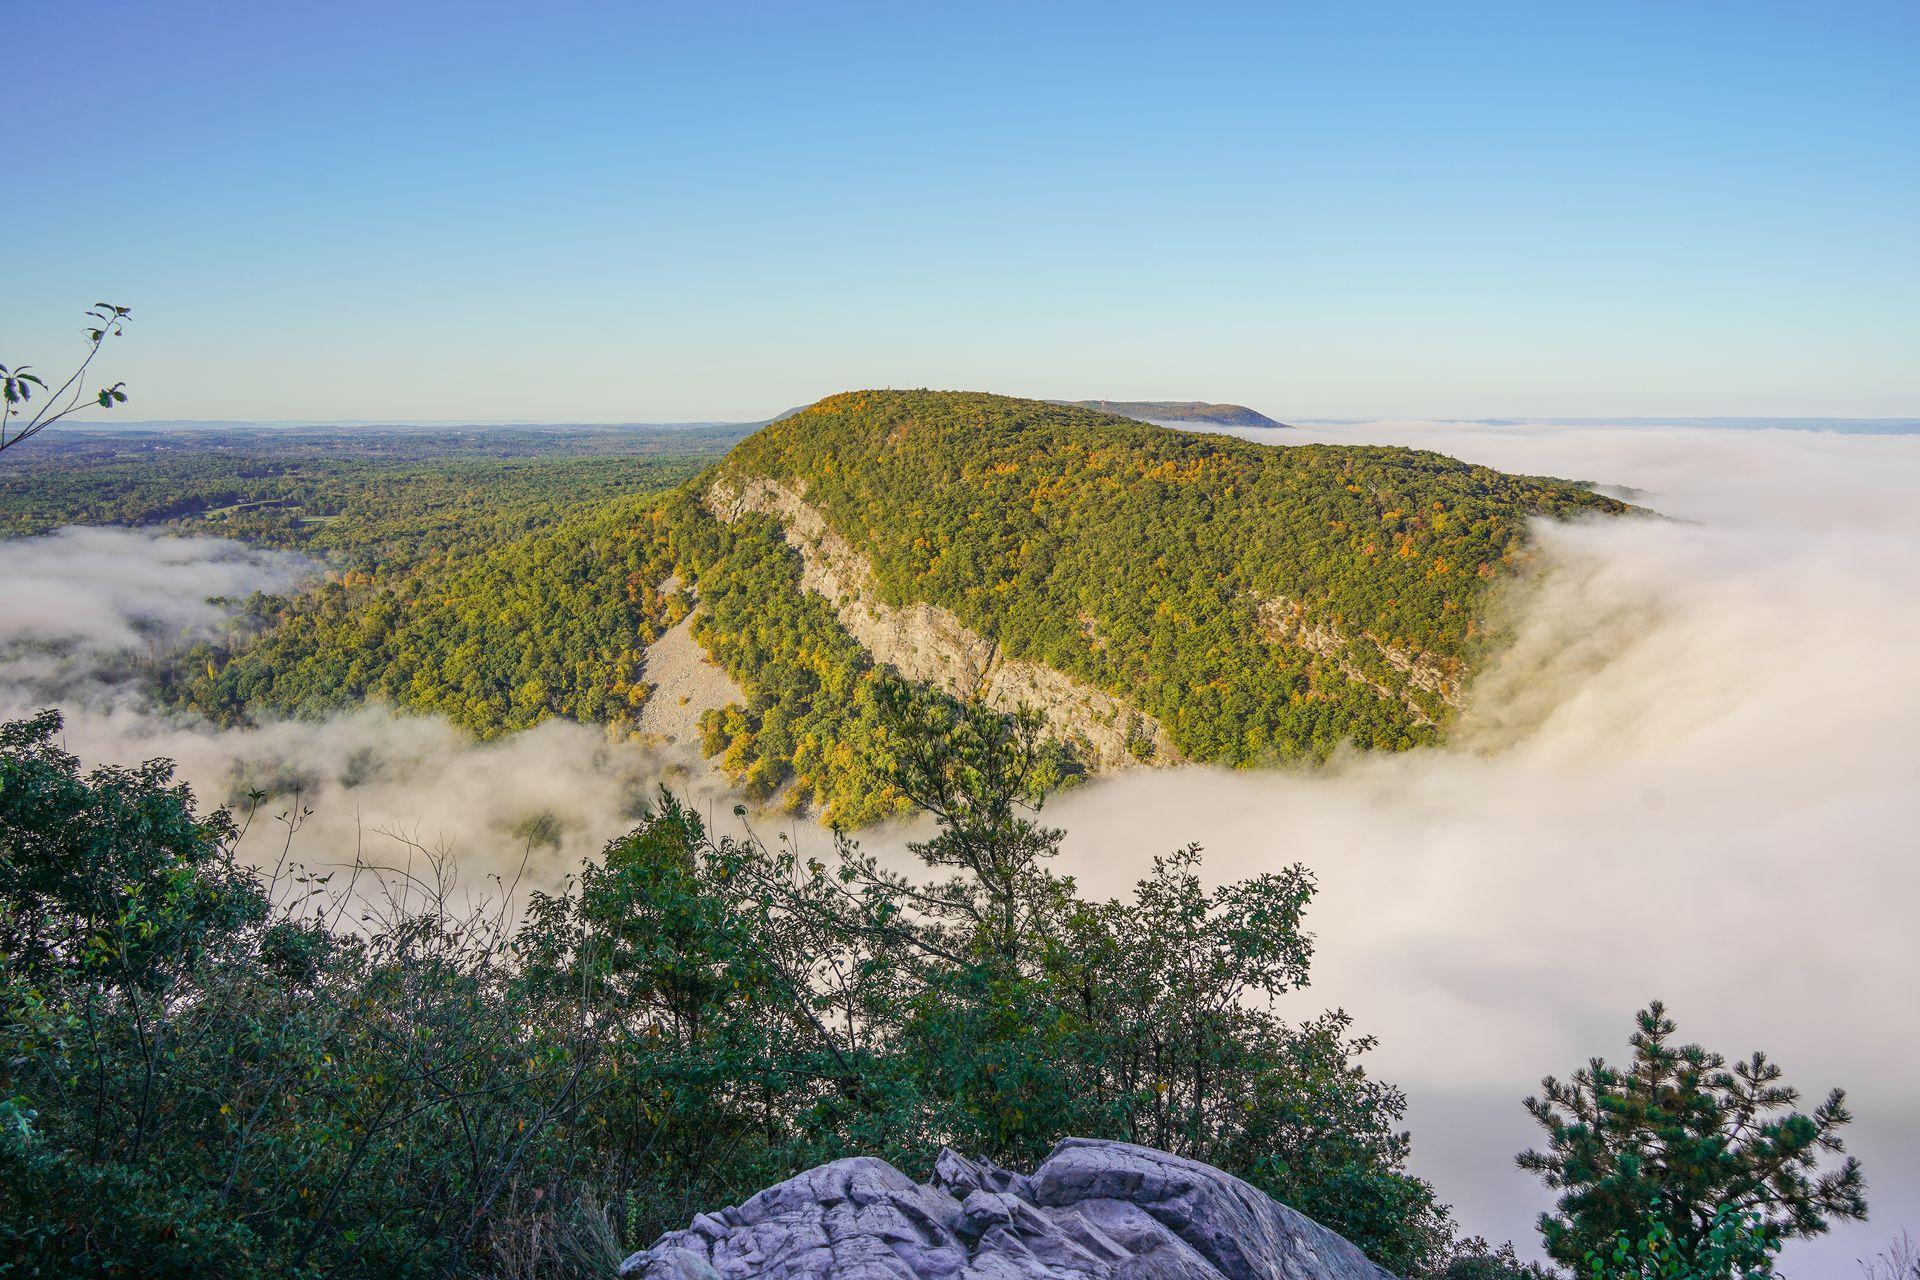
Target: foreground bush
[{"x": 211, "y": 1069}]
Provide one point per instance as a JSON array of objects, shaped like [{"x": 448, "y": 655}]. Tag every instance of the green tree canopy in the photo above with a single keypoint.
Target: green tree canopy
[
  {"x": 342, "y": 1073},
  {"x": 1677, "y": 1143}
]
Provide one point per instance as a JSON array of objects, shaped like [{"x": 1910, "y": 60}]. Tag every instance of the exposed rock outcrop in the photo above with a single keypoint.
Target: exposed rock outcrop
[
  {"x": 1092, "y": 1211},
  {"x": 926, "y": 643},
  {"x": 1284, "y": 621},
  {"x": 686, "y": 683}
]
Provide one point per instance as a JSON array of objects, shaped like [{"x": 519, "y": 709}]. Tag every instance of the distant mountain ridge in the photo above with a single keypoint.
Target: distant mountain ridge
[{"x": 1223, "y": 415}]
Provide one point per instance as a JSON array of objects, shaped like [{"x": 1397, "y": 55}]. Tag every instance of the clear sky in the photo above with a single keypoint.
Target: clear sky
[{"x": 649, "y": 211}]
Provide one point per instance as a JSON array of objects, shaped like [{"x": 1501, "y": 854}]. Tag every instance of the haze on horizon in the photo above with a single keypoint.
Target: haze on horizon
[{"x": 669, "y": 212}]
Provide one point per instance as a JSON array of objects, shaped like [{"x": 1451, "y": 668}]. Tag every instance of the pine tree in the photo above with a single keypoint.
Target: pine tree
[{"x": 1677, "y": 1141}]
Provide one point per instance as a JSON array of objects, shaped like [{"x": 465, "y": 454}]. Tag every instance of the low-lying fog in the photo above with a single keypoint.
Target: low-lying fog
[
  {"x": 83, "y": 606},
  {"x": 1696, "y": 777}
]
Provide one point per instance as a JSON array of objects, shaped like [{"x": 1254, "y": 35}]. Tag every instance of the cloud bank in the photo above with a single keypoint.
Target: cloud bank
[
  {"x": 1696, "y": 777},
  {"x": 101, "y": 590},
  {"x": 85, "y": 606}
]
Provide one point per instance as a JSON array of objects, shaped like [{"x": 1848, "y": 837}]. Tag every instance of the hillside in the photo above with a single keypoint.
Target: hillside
[
  {"x": 1161, "y": 595},
  {"x": 1197, "y": 411}
]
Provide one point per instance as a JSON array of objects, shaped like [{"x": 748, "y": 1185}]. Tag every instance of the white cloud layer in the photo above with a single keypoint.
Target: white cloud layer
[
  {"x": 1696, "y": 777},
  {"x": 100, "y": 590},
  {"x": 82, "y": 606}
]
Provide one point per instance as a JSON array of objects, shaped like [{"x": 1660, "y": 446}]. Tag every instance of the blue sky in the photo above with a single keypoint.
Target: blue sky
[{"x": 645, "y": 211}]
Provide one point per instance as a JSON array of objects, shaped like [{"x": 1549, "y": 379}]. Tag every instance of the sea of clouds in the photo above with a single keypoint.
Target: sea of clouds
[{"x": 1695, "y": 777}]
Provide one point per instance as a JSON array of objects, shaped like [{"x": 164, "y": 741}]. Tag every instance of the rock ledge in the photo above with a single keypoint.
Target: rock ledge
[{"x": 1091, "y": 1211}]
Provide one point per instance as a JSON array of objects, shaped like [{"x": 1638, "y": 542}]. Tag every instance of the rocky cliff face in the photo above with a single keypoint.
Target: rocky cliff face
[
  {"x": 1091, "y": 1211},
  {"x": 928, "y": 644}
]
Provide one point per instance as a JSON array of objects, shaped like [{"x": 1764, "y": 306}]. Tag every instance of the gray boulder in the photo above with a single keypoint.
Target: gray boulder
[{"x": 1092, "y": 1211}]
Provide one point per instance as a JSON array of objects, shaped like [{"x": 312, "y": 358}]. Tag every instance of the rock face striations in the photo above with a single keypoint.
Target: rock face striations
[{"x": 1092, "y": 1210}]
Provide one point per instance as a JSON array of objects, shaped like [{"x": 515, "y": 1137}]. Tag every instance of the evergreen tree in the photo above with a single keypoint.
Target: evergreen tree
[{"x": 1674, "y": 1144}]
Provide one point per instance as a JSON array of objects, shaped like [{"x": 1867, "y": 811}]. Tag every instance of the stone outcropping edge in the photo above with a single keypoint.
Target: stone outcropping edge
[{"x": 1092, "y": 1210}]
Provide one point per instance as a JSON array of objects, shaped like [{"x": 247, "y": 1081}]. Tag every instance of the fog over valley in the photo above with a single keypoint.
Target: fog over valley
[
  {"x": 1719, "y": 704},
  {"x": 86, "y": 606}
]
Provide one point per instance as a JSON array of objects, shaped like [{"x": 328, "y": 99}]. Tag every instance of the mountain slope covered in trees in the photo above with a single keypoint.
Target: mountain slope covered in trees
[
  {"x": 495, "y": 576},
  {"x": 1254, "y": 605},
  {"x": 1158, "y": 595}
]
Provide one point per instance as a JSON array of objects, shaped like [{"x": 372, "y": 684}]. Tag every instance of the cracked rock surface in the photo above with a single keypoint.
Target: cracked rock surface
[{"x": 1092, "y": 1210}]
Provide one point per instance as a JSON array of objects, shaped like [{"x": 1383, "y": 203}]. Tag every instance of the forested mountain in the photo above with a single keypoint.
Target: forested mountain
[
  {"x": 1158, "y": 595},
  {"x": 1225, "y": 415}
]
